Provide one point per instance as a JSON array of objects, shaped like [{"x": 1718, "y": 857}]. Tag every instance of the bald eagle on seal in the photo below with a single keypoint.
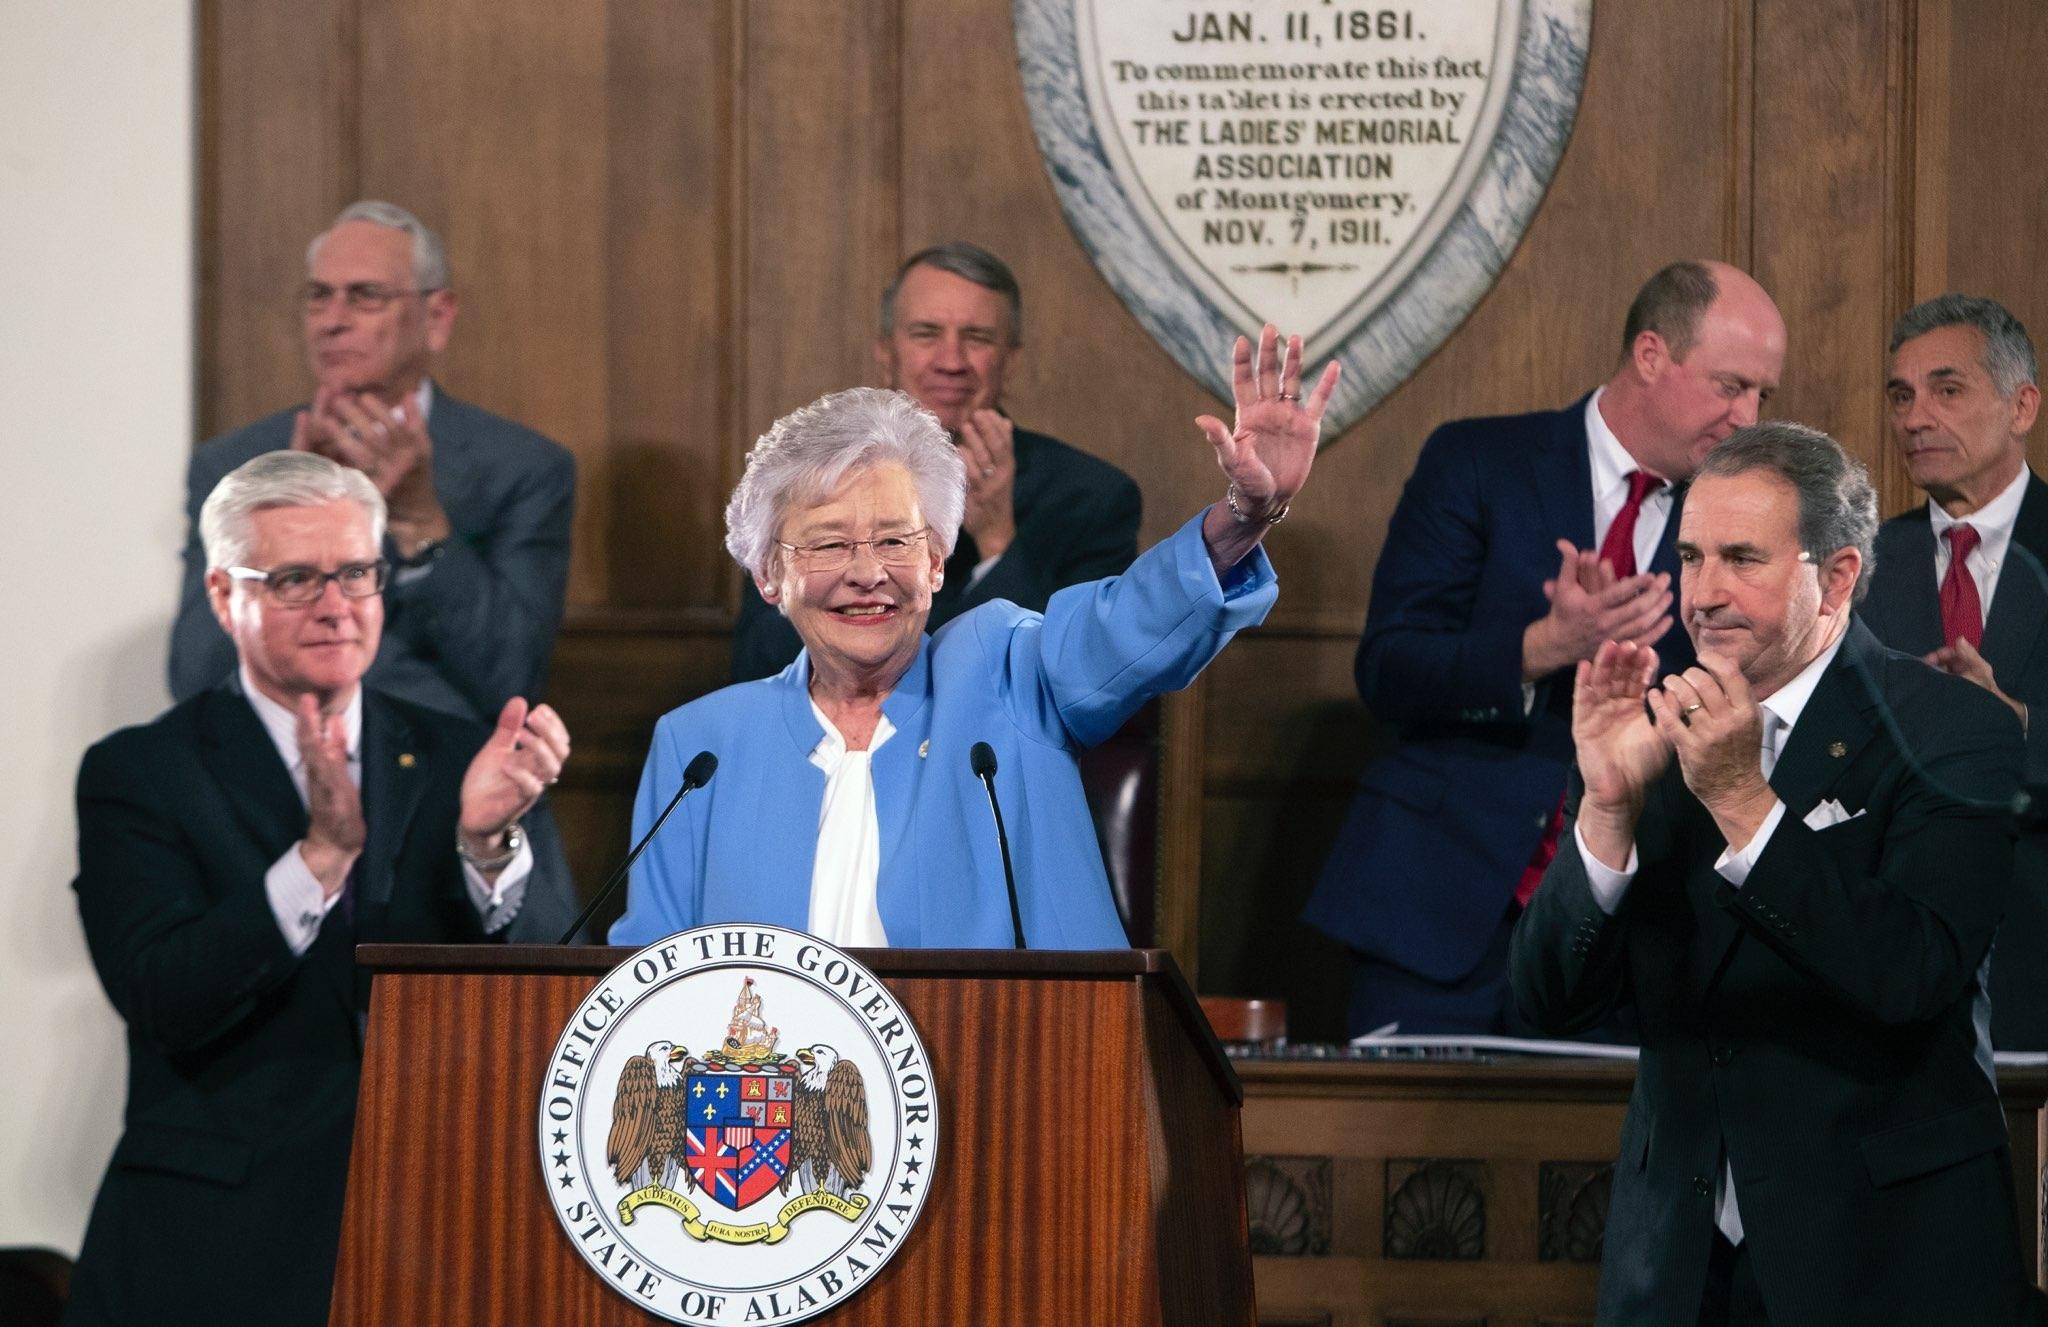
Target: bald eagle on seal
[
  {"x": 647, "y": 1118},
  {"x": 829, "y": 1145}
]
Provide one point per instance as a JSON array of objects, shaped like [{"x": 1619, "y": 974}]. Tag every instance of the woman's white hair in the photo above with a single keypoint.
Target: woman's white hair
[
  {"x": 279, "y": 479},
  {"x": 808, "y": 453}
]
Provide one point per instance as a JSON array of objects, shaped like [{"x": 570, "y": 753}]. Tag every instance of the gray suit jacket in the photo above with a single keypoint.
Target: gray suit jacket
[
  {"x": 466, "y": 635},
  {"x": 1903, "y": 610}
]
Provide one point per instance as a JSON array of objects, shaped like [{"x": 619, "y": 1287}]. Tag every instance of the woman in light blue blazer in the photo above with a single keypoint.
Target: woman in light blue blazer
[{"x": 845, "y": 802}]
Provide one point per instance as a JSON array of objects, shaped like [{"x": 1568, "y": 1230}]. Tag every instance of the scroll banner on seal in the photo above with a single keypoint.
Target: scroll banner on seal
[{"x": 1357, "y": 174}]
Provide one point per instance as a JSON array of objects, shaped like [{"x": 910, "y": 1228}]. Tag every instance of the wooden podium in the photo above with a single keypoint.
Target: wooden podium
[{"x": 1091, "y": 1168}]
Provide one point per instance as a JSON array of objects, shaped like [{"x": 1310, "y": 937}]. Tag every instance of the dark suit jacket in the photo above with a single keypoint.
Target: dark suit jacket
[
  {"x": 478, "y": 629},
  {"x": 1077, "y": 520},
  {"x": 1817, "y": 1023},
  {"x": 1444, "y": 824},
  {"x": 1904, "y": 610},
  {"x": 464, "y": 638},
  {"x": 223, "y": 1199}
]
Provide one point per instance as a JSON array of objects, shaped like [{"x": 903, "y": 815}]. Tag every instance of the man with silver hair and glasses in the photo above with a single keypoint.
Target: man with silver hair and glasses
[
  {"x": 232, "y": 854},
  {"x": 1790, "y": 859},
  {"x": 847, "y": 802},
  {"x": 1959, "y": 579},
  {"x": 1040, "y": 515},
  {"x": 479, "y": 506}
]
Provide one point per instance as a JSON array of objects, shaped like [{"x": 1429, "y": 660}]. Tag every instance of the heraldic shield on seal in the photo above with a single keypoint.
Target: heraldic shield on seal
[{"x": 738, "y": 1125}]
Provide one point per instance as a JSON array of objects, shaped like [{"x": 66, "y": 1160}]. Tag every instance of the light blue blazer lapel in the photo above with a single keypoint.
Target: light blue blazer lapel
[
  {"x": 780, "y": 849},
  {"x": 900, "y": 768}
]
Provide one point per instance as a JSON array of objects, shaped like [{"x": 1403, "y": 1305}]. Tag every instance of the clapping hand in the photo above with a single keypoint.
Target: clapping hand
[{"x": 523, "y": 756}]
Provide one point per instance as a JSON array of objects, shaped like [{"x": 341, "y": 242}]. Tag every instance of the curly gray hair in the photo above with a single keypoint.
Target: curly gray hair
[{"x": 809, "y": 452}]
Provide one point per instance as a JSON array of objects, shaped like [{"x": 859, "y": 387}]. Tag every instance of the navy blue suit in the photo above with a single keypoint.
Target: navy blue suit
[
  {"x": 1424, "y": 871},
  {"x": 1903, "y": 610}
]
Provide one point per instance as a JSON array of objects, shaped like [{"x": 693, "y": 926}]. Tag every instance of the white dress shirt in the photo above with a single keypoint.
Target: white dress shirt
[
  {"x": 297, "y": 899},
  {"x": 1612, "y": 466},
  {"x": 848, "y": 865},
  {"x": 1779, "y": 712}
]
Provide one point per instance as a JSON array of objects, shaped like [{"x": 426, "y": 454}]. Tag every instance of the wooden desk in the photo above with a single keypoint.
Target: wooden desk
[{"x": 1400, "y": 1193}]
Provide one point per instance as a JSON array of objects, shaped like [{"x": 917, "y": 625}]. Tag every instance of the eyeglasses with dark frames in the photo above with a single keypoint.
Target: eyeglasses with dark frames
[{"x": 299, "y": 585}]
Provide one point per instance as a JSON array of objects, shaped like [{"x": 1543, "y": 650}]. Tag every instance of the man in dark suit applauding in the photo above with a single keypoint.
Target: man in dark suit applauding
[
  {"x": 1790, "y": 859},
  {"x": 1041, "y": 515},
  {"x": 231, "y": 856},
  {"x": 1963, "y": 396},
  {"x": 479, "y": 507},
  {"x": 1520, "y": 543}
]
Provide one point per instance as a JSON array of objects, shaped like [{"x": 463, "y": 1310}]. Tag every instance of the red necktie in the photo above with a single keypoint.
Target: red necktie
[
  {"x": 1617, "y": 550},
  {"x": 1962, "y": 612}
]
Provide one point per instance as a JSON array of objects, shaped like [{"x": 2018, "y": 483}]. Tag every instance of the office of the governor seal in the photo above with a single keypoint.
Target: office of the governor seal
[{"x": 738, "y": 1125}]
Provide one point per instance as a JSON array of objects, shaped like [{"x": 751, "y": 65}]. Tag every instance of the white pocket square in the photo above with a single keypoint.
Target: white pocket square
[{"x": 1829, "y": 813}]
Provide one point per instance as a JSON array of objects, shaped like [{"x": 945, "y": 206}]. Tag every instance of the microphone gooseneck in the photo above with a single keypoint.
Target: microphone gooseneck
[
  {"x": 695, "y": 775},
  {"x": 982, "y": 758}
]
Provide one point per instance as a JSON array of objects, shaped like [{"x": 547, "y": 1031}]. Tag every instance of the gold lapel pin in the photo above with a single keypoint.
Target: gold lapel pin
[
  {"x": 1838, "y": 749},
  {"x": 406, "y": 760},
  {"x": 924, "y": 748}
]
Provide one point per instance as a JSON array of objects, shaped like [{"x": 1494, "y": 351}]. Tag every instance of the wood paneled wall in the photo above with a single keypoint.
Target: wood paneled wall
[{"x": 669, "y": 220}]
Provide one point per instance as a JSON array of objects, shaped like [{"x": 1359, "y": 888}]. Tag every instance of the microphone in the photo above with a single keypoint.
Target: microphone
[
  {"x": 983, "y": 758},
  {"x": 695, "y": 775}
]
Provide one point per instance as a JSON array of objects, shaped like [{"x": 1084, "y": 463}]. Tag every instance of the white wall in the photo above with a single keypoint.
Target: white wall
[{"x": 96, "y": 310}]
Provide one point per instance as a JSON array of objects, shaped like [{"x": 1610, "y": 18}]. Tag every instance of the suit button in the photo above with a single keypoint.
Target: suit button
[
  {"x": 1722, "y": 1055},
  {"x": 1702, "y": 1186}
]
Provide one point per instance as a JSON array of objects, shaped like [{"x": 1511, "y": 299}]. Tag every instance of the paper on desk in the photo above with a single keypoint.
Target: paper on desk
[
  {"x": 1510, "y": 1045},
  {"x": 1590, "y": 1049}
]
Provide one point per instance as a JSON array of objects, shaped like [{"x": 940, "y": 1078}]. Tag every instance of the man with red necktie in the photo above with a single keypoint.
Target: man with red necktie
[
  {"x": 1519, "y": 545},
  {"x": 1959, "y": 580}
]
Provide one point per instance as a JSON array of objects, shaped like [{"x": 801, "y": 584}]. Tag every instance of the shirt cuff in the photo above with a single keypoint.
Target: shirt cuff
[
  {"x": 297, "y": 900},
  {"x": 1608, "y": 885},
  {"x": 497, "y": 904},
  {"x": 1735, "y": 866}
]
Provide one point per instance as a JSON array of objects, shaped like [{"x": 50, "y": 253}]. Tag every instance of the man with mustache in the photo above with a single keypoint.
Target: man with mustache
[
  {"x": 1963, "y": 396},
  {"x": 231, "y": 855},
  {"x": 1041, "y": 515},
  {"x": 1788, "y": 860}
]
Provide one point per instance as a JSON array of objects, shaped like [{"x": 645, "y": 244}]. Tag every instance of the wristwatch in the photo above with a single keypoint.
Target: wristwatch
[
  {"x": 515, "y": 839},
  {"x": 422, "y": 555}
]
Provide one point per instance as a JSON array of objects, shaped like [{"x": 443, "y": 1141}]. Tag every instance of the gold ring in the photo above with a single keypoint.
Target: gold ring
[
  {"x": 1690, "y": 708},
  {"x": 1290, "y": 396}
]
